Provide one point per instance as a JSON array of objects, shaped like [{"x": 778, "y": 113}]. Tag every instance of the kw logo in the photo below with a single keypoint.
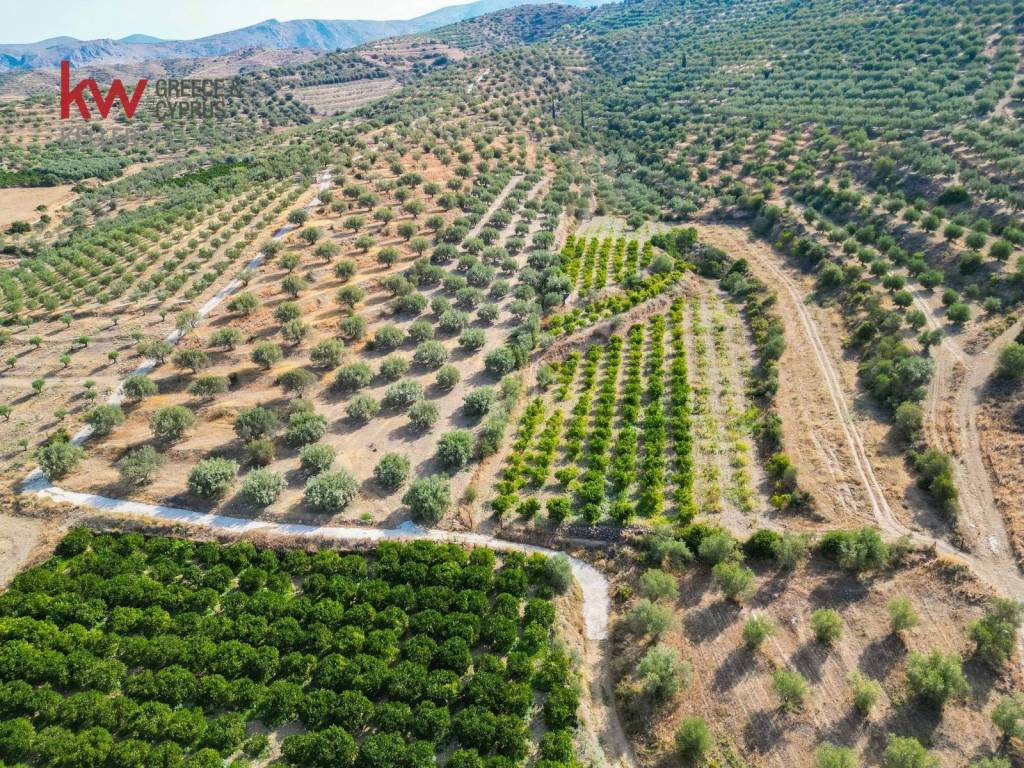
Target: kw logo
[{"x": 76, "y": 95}]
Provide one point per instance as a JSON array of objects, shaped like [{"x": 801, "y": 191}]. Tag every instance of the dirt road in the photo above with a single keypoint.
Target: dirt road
[{"x": 993, "y": 564}]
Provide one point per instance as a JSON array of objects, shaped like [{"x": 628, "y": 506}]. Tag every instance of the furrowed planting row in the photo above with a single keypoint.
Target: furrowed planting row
[{"x": 624, "y": 440}]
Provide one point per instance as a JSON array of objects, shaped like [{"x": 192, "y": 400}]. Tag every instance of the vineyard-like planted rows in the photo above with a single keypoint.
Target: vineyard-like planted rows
[{"x": 625, "y": 447}]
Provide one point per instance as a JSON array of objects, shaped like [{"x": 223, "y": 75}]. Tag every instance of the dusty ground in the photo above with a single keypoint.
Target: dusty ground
[
  {"x": 1000, "y": 419},
  {"x": 732, "y": 685},
  {"x": 359, "y": 446},
  {"x": 20, "y": 538},
  {"x": 19, "y": 203},
  {"x": 827, "y": 462}
]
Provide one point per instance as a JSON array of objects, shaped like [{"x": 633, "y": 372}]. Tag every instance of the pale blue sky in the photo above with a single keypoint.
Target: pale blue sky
[{"x": 26, "y": 21}]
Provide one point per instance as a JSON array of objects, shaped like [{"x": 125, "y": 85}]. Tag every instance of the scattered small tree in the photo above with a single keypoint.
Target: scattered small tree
[
  {"x": 392, "y": 471},
  {"x": 211, "y": 478},
  {"x": 262, "y": 487},
  {"x": 331, "y": 492},
  {"x": 692, "y": 740},
  {"x": 139, "y": 466},
  {"x": 428, "y": 498},
  {"x": 790, "y": 687},
  {"x": 757, "y": 630},
  {"x": 169, "y": 424},
  {"x": 826, "y": 625}
]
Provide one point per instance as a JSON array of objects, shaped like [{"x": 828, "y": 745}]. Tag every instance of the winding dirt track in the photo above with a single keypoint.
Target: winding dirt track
[{"x": 994, "y": 565}]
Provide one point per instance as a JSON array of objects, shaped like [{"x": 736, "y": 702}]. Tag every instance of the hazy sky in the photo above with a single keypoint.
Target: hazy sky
[{"x": 26, "y": 21}]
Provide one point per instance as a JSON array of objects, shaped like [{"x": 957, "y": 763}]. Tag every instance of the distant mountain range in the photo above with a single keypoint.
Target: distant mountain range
[{"x": 313, "y": 34}]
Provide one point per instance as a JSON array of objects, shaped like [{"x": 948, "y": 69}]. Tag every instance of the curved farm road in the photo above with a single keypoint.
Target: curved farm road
[
  {"x": 604, "y": 731},
  {"x": 997, "y": 566}
]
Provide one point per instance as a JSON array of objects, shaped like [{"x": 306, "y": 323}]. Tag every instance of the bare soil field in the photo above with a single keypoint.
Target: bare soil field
[
  {"x": 20, "y": 203},
  {"x": 1000, "y": 420},
  {"x": 20, "y": 537},
  {"x": 341, "y": 97}
]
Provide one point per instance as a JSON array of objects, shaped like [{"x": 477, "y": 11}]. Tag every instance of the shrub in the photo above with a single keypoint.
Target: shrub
[
  {"x": 790, "y": 687},
  {"x": 353, "y": 376},
  {"x": 393, "y": 367},
  {"x": 327, "y": 353},
  {"x": 452, "y": 321},
  {"x": 558, "y": 508},
  {"x": 717, "y": 547},
  {"x": 762, "y": 544},
  {"x": 260, "y": 452},
  {"x": 389, "y": 337},
  {"x": 428, "y": 498},
  {"x": 826, "y": 625},
  {"x": 791, "y": 549},
  {"x": 902, "y": 615},
  {"x": 662, "y": 673},
  {"x": 1011, "y": 361},
  {"x": 866, "y": 692},
  {"x": 1008, "y": 716},
  {"x": 657, "y": 585},
  {"x": 206, "y": 387},
  {"x": 735, "y": 580},
  {"x": 392, "y": 471},
  {"x": 907, "y": 753},
  {"x": 266, "y": 354},
  {"x": 296, "y": 380},
  {"x": 692, "y": 740},
  {"x": 362, "y": 408},
  {"x": 487, "y": 313},
  {"x": 353, "y": 327},
  {"x": 402, "y": 394},
  {"x": 455, "y": 449},
  {"x": 169, "y": 424},
  {"x": 557, "y": 573},
  {"x": 500, "y": 362},
  {"x": 193, "y": 359},
  {"x": 472, "y": 339},
  {"x": 262, "y": 487},
  {"x": 211, "y": 478},
  {"x": 478, "y": 402},
  {"x": 255, "y": 422},
  {"x": 330, "y": 492},
  {"x": 350, "y": 295},
  {"x": 137, "y": 387},
  {"x": 936, "y": 677},
  {"x": 646, "y": 618},
  {"x": 858, "y": 551},
  {"x": 757, "y": 630},
  {"x": 139, "y": 466},
  {"x": 830, "y": 756},
  {"x": 316, "y": 458},
  {"x": 305, "y": 427},
  {"x": 908, "y": 421},
  {"x": 447, "y": 377},
  {"x": 423, "y": 414},
  {"x": 103, "y": 419},
  {"x": 994, "y": 634},
  {"x": 936, "y": 477},
  {"x": 57, "y": 458},
  {"x": 430, "y": 354}
]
